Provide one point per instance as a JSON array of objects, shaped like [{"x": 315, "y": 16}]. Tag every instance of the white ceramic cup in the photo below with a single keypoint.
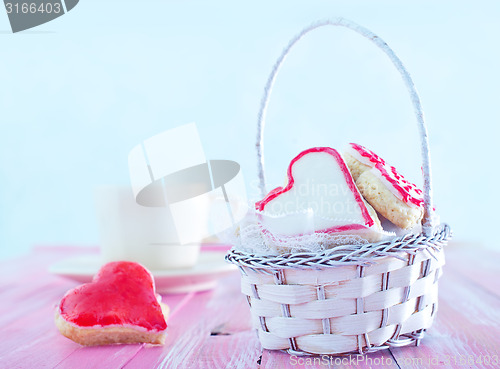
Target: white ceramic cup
[{"x": 147, "y": 235}]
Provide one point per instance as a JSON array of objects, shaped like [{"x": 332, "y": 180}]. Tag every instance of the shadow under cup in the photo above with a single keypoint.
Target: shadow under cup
[{"x": 143, "y": 234}]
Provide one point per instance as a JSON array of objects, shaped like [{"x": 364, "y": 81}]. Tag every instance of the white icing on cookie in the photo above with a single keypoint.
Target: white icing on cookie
[
  {"x": 395, "y": 182},
  {"x": 320, "y": 196}
]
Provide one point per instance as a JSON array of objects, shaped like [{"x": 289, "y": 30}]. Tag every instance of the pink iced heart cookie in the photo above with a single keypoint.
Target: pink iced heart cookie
[
  {"x": 359, "y": 159},
  {"x": 120, "y": 305},
  {"x": 319, "y": 197},
  {"x": 384, "y": 188}
]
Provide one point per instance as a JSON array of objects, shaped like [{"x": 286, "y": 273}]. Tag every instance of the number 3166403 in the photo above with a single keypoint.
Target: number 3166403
[{"x": 32, "y": 8}]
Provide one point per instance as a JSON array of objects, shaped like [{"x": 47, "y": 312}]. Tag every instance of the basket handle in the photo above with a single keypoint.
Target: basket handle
[{"x": 427, "y": 220}]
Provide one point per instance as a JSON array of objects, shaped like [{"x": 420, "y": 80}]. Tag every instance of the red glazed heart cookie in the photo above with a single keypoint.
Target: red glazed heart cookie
[
  {"x": 384, "y": 188},
  {"x": 320, "y": 194},
  {"x": 119, "y": 306}
]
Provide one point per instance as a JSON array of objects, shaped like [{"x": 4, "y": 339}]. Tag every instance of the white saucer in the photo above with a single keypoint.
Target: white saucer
[{"x": 203, "y": 276}]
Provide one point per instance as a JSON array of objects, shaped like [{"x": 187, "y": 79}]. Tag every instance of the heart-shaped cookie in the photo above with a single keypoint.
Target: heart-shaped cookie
[
  {"x": 397, "y": 199},
  {"x": 120, "y": 305},
  {"x": 320, "y": 196}
]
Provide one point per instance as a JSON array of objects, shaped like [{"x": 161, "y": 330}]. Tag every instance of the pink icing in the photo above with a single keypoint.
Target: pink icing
[
  {"x": 367, "y": 154},
  {"x": 409, "y": 192},
  {"x": 121, "y": 293},
  {"x": 260, "y": 205},
  {"x": 344, "y": 228}
]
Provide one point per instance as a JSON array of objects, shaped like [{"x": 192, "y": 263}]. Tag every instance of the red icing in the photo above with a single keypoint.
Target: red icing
[
  {"x": 368, "y": 154},
  {"x": 122, "y": 292},
  {"x": 409, "y": 192},
  {"x": 344, "y": 228},
  {"x": 260, "y": 205}
]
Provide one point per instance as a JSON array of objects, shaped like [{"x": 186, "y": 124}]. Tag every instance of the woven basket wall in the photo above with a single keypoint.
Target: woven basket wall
[
  {"x": 344, "y": 309},
  {"x": 349, "y": 299}
]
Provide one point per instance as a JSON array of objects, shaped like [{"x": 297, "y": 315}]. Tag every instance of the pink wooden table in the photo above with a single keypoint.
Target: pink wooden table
[{"x": 212, "y": 329}]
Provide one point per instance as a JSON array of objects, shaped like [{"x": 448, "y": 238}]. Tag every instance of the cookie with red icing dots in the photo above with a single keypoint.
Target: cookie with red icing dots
[
  {"x": 395, "y": 198},
  {"x": 359, "y": 159},
  {"x": 120, "y": 305}
]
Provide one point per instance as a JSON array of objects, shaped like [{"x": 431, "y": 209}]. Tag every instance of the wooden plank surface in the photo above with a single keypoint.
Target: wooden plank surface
[
  {"x": 212, "y": 329},
  {"x": 467, "y": 329}
]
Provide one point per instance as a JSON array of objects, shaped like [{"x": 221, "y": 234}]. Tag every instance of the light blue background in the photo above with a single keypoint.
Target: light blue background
[{"x": 78, "y": 93}]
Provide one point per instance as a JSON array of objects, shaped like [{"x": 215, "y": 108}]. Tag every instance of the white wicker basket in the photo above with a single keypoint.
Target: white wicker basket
[{"x": 352, "y": 298}]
